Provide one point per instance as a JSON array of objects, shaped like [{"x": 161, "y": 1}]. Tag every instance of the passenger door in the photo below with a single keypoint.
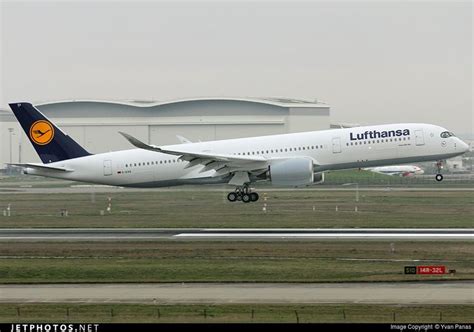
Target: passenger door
[
  {"x": 419, "y": 139},
  {"x": 336, "y": 145},
  {"x": 107, "y": 167}
]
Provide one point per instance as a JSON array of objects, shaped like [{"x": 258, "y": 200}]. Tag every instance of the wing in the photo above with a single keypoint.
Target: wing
[{"x": 222, "y": 164}]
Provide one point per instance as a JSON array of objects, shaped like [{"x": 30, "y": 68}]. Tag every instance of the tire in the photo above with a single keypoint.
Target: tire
[
  {"x": 254, "y": 197},
  {"x": 439, "y": 177},
  {"x": 246, "y": 198},
  {"x": 232, "y": 197}
]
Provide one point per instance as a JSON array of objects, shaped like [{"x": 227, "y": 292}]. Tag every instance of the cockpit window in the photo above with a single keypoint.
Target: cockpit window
[{"x": 446, "y": 134}]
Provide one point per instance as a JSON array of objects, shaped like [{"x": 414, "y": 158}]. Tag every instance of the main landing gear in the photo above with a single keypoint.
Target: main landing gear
[
  {"x": 243, "y": 194},
  {"x": 439, "y": 176}
]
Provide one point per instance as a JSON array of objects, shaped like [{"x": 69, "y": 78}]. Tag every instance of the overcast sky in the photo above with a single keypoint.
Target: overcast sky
[{"x": 373, "y": 62}]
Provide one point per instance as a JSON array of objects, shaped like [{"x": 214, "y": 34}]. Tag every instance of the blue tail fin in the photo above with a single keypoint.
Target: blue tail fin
[{"x": 49, "y": 141}]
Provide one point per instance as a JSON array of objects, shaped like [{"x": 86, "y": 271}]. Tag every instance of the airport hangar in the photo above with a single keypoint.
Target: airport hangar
[{"x": 95, "y": 124}]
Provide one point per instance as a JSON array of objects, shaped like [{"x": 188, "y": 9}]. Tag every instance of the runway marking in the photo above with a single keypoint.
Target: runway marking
[
  {"x": 104, "y": 234},
  {"x": 418, "y": 292},
  {"x": 317, "y": 235},
  {"x": 99, "y": 229}
]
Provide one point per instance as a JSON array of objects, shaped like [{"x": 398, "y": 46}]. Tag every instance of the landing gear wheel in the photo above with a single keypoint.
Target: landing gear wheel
[
  {"x": 246, "y": 198},
  {"x": 439, "y": 177},
  {"x": 253, "y": 197},
  {"x": 232, "y": 197}
]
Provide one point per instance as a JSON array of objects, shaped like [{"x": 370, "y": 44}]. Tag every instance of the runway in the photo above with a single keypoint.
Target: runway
[
  {"x": 143, "y": 234},
  {"x": 102, "y": 189},
  {"x": 389, "y": 293}
]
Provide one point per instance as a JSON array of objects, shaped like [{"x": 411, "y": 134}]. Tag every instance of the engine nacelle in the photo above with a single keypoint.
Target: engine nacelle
[
  {"x": 292, "y": 172},
  {"x": 318, "y": 178}
]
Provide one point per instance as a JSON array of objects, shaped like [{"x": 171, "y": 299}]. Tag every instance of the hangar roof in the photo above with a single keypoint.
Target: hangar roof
[{"x": 281, "y": 102}]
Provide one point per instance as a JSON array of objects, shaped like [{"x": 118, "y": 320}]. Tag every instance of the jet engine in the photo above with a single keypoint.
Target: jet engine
[{"x": 293, "y": 172}]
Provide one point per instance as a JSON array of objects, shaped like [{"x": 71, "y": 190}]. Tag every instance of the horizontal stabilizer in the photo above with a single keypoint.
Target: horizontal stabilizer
[{"x": 43, "y": 167}]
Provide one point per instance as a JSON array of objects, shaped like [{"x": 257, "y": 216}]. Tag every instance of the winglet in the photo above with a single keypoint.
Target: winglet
[
  {"x": 182, "y": 139},
  {"x": 137, "y": 143}
]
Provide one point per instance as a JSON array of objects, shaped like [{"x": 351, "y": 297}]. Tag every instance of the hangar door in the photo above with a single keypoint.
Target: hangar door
[
  {"x": 248, "y": 130},
  {"x": 105, "y": 138},
  {"x": 166, "y": 134}
]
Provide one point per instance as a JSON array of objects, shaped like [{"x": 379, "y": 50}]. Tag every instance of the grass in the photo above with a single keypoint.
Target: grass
[
  {"x": 332, "y": 178},
  {"x": 232, "y": 313},
  {"x": 176, "y": 261},
  {"x": 299, "y": 208}
]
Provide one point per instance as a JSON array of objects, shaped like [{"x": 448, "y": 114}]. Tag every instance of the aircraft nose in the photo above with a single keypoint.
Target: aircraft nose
[{"x": 463, "y": 146}]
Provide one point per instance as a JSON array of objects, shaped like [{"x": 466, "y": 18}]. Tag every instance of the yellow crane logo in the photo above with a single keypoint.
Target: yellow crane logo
[{"x": 41, "y": 132}]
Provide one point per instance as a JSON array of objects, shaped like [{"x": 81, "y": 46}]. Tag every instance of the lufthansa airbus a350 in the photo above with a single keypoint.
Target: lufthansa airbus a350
[{"x": 298, "y": 159}]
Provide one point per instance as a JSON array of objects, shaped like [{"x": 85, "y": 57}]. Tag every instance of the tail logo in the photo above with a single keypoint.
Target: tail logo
[{"x": 41, "y": 132}]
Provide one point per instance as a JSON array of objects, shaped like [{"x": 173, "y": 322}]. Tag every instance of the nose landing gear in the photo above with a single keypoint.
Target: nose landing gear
[
  {"x": 243, "y": 194},
  {"x": 439, "y": 176}
]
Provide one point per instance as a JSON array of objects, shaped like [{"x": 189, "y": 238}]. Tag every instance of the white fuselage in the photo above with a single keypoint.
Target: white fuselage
[{"x": 334, "y": 149}]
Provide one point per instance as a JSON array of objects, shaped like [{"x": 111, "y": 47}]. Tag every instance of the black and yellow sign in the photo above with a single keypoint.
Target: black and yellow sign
[
  {"x": 410, "y": 269},
  {"x": 41, "y": 132}
]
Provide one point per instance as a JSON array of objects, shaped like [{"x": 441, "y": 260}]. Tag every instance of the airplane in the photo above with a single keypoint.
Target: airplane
[
  {"x": 400, "y": 170},
  {"x": 296, "y": 159}
]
